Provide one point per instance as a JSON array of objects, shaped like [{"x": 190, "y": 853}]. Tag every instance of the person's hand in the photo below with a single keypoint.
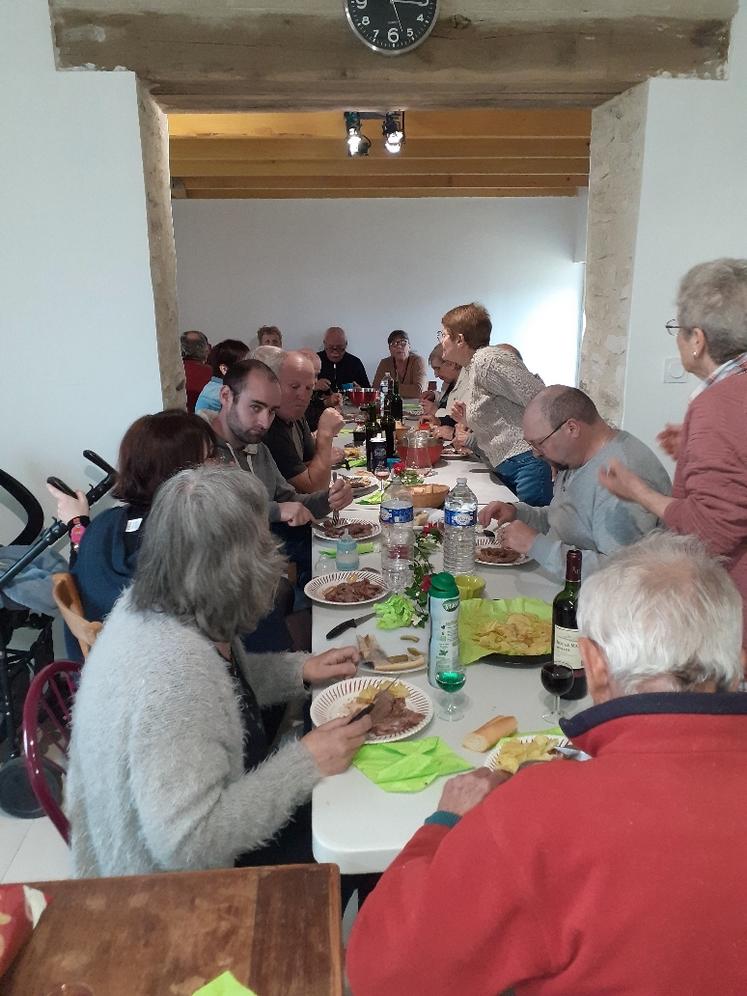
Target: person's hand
[
  {"x": 670, "y": 440},
  {"x": 518, "y": 536},
  {"x": 620, "y": 480},
  {"x": 428, "y": 405},
  {"x": 444, "y": 432},
  {"x": 340, "y": 494},
  {"x": 468, "y": 790},
  {"x": 461, "y": 435},
  {"x": 333, "y": 744},
  {"x": 428, "y": 396},
  {"x": 459, "y": 412},
  {"x": 322, "y": 384},
  {"x": 67, "y": 507},
  {"x": 340, "y": 662},
  {"x": 500, "y": 511},
  {"x": 294, "y": 513},
  {"x": 330, "y": 422},
  {"x": 333, "y": 400}
]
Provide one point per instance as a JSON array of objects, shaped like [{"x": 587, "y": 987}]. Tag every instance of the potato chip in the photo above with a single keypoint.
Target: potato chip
[
  {"x": 514, "y": 753},
  {"x": 521, "y": 634}
]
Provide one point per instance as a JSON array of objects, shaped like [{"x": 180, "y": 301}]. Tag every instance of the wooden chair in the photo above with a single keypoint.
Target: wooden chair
[
  {"x": 46, "y": 736},
  {"x": 65, "y": 593}
]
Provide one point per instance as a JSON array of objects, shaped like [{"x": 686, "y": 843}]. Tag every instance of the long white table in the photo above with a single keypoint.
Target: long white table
[{"x": 357, "y": 825}]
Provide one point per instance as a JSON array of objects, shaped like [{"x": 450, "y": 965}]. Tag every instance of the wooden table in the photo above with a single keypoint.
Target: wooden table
[{"x": 277, "y": 929}]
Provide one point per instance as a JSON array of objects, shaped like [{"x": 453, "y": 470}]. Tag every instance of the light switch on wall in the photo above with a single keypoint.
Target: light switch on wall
[{"x": 674, "y": 372}]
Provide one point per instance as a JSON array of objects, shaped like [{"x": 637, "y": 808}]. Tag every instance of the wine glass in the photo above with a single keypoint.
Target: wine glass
[
  {"x": 381, "y": 473},
  {"x": 557, "y": 679},
  {"x": 452, "y": 701}
]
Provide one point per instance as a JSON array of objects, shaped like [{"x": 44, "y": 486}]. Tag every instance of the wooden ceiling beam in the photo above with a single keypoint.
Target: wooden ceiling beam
[
  {"x": 234, "y": 171},
  {"x": 238, "y": 149},
  {"x": 468, "y": 123},
  {"x": 377, "y": 193},
  {"x": 456, "y": 181}
]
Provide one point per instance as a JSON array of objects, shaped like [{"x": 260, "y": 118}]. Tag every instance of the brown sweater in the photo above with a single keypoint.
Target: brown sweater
[
  {"x": 415, "y": 380},
  {"x": 710, "y": 484}
]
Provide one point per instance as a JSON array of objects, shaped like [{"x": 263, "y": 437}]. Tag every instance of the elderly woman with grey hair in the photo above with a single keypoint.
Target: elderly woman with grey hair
[
  {"x": 661, "y": 804},
  {"x": 169, "y": 765},
  {"x": 709, "y": 495}
]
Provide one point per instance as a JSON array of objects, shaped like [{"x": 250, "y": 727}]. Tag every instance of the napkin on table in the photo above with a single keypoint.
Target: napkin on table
[
  {"x": 225, "y": 985},
  {"x": 373, "y": 499},
  {"x": 362, "y": 548},
  {"x": 408, "y": 765},
  {"x": 357, "y": 462}
]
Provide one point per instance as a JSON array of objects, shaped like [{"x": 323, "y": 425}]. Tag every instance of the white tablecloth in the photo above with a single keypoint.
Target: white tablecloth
[{"x": 356, "y": 824}]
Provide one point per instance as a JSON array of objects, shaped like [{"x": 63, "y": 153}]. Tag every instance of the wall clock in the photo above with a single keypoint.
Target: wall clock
[{"x": 391, "y": 27}]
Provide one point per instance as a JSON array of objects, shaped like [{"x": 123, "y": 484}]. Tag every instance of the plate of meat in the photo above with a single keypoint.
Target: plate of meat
[
  {"x": 359, "y": 529},
  {"x": 346, "y": 588},
  {"x": 492, "y": 553},
  {"x": 399, "y": 708}
]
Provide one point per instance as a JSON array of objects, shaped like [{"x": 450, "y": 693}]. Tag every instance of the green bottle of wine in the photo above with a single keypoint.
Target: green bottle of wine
[
  {"x": 395, "y": 403},
  {"x": 564, "y": 628}
]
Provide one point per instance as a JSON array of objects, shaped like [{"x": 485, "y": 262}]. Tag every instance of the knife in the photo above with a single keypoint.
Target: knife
[{"x": 348, "y": 624}]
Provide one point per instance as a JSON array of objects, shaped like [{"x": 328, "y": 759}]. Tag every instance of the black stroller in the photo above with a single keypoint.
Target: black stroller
[{"x": 28, "y": 608}]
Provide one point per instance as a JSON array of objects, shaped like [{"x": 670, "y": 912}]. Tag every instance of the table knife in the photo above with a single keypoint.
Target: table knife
[{"x": 348, "y": 624}]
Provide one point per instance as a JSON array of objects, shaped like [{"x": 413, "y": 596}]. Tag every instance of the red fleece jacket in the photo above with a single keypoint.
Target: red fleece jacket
[
  {"x": 710, "y": 484},
  {"x": 623, "y": 874}
]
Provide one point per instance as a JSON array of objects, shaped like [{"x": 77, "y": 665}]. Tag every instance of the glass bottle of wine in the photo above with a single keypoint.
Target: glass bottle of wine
[
  {"x": 564, "y": 628},
  {"x": 395, "y": 402}
]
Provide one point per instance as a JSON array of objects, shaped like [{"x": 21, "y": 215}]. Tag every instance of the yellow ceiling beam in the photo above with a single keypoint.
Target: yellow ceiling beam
[
  {"x": 457, "y": 181},
  {"x": 376, "y": 192}
]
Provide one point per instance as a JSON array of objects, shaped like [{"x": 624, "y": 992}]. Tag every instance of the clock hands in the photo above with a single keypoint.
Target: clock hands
[
  {"x": 396, "y": 12},
  {"x": 414, "y": 3}
]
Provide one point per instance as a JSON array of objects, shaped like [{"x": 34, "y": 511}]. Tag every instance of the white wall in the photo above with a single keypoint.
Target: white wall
[
  {"x": 371, "y": 266},
  {"x": 693, "y": 208},
  {"x": 77, "y": 334}
]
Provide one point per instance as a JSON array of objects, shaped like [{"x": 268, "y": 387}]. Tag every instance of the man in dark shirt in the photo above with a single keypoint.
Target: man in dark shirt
[
  {"x": 338, "y": 366},
  {"x": 303, "y": 461}
]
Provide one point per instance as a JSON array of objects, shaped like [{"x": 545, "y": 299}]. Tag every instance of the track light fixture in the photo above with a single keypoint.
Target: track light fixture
[
  {"x": 358, "y": 144},
  {"x": 392, "y": 128}
]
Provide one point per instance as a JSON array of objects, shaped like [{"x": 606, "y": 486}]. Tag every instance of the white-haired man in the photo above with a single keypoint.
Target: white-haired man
[{"x": 623, "y": 874}]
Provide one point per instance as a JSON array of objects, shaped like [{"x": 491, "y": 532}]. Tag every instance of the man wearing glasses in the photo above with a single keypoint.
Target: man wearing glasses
[
  {"x": 338, "y": 366},
  {"x": 562, "y": 425}
]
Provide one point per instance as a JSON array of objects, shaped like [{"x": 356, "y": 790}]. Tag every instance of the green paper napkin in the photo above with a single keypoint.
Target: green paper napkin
[
  {"x": 373, "y": 499},
  {"x": 225, "y": 985},
  {"x": 362, "y": 548},
  {"x": 359, "y": 462},
  {"x": 408, "y": 765},
  {"x": 477, "y": 612}
]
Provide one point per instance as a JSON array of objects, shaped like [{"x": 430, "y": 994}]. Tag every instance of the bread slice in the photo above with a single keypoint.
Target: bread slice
[{"x": 490, "y": 733}]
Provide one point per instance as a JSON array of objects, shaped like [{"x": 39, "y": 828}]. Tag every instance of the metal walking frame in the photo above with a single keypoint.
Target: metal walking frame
[{"x": 16, "y": 797}]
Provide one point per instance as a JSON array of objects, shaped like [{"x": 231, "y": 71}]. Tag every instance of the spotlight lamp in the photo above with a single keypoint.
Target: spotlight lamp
[
  {"x": 393, "y": 130},
  {"x": 358, "y": 144}
]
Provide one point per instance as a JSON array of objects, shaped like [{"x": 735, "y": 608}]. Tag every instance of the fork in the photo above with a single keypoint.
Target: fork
[{"x": 335, "y": 512}]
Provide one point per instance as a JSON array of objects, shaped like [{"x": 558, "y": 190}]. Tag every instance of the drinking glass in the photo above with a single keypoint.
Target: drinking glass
[
  {"x": 557, "y": 679},
  {"x": 381, "y": 473},
  {"x": 451, "y": 701}
]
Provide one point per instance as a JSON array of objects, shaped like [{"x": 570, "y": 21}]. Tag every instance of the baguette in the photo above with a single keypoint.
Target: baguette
[
  {"x": 490, "y": 733},
  {"x": 398, "y": 664}
]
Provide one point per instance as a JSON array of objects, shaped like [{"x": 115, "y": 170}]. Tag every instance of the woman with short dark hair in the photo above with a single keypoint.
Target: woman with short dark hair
[
  {"x": 154, "y": 448},
  {"x": 402, "y": 365}
]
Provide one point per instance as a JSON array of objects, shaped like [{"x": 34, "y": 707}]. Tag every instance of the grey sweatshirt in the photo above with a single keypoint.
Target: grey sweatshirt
[
  {"x": 156, "y": 778},
  {"x": 257, "y": 458},
  {"x": 583, "y": 514}
]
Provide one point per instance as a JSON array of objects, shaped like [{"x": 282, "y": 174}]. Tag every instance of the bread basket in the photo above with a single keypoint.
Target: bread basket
[{"x": 428, "y": 495}]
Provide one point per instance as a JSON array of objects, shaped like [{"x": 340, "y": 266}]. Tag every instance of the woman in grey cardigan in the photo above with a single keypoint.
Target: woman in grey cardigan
[{"x": 169, "y": 768}]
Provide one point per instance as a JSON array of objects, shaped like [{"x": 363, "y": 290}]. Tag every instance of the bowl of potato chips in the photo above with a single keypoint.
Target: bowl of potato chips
[{"x": 505, "y": 631}]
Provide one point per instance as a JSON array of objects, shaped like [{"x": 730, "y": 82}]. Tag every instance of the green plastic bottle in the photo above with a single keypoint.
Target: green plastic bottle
[{"x": 444, "y": 669}]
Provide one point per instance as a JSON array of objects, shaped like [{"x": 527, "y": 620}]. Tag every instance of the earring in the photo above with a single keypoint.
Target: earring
[{"x": 695, "y": 354}]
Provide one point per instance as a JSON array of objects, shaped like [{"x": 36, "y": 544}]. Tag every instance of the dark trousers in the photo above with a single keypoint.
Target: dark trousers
[
  {"x": 296, "y": 542},
  {"x": 528, "y": 477}
]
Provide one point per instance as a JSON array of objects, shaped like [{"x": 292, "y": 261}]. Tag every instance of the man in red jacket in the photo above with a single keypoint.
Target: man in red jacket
[{"x": 622, "y": 874}]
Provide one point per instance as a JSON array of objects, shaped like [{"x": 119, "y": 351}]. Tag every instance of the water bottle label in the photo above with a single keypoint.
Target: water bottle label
[
  {"x": 396, "y": 516},
  {"x": 462, "y": 518}
]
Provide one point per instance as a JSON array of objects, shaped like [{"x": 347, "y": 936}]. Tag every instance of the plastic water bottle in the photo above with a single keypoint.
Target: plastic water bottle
[
  {"x": 346, "y": 553},
  {"x": 397, "y": 537},
  {"x": 460, "y": 518}
]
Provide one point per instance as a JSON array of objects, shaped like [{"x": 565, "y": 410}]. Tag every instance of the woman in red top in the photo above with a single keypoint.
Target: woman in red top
[{"x": 709, "y": 497}]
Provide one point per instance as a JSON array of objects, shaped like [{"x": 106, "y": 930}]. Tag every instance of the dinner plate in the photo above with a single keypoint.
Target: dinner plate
[
  {"x": 364, "y": 489},
  {"x": 333, "y": 702},
  {"x": 492, "y": 758},
  {"x": 483, "y": 541},
  {"x": 374, "y": 529},
  {"x": 314, "y": 589}
]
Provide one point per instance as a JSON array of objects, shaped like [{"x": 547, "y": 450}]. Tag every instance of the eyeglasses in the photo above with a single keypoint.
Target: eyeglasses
[
  {"x": 672, "y": 327},
  {"x": 441, "y": 335},
  {"x": 541, "y": 442}
]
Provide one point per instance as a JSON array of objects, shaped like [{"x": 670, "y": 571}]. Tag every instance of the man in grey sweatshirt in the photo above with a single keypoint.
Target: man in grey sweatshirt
[
  {"x": 250, "y": 398},
  {"x": 562, "y": 425}
]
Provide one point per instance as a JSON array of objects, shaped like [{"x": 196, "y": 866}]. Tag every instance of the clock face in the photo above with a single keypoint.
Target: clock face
[{"x": 391, "y": 26}]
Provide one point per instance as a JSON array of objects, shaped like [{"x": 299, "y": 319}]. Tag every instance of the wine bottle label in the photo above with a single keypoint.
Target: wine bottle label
[
  {"x": 462, "y": 518},
  {"x": 565, "y": 647}
]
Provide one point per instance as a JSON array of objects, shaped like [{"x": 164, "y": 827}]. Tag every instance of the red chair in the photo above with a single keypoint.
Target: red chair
[{"x": 46, "y": 736}]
